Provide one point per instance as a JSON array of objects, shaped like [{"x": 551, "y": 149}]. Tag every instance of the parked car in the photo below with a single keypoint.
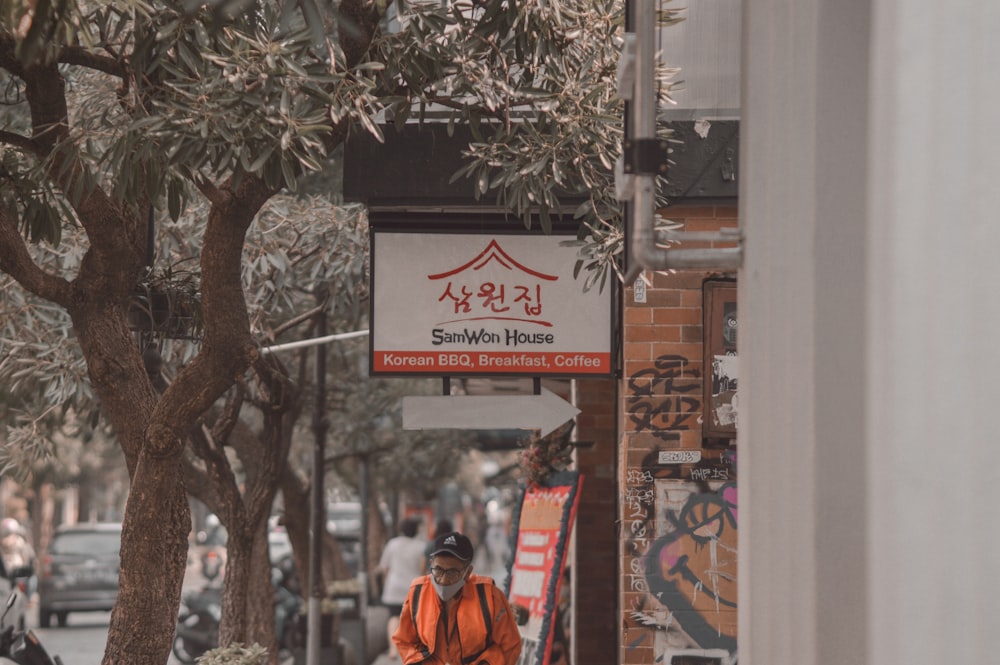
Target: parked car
[
  {"x": 343, "y": 519},
  {"x": 79, "y": 572}
]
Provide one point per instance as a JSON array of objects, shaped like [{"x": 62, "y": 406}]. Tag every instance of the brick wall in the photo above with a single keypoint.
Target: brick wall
[
  {"x": 596, "y": 575},
  {"x": 677, "y": 600}
]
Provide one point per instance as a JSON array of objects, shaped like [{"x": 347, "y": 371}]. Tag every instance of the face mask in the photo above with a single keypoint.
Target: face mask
[{"x": 447, "y": 591}]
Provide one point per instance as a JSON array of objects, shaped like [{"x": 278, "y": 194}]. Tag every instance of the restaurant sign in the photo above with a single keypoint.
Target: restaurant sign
[{"x": 484, "y": 304}]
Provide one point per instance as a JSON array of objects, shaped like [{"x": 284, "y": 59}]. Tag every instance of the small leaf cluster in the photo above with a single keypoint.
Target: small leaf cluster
[
  {"x": 257, "y": 96},
  {"x": 236, "y": 653}
]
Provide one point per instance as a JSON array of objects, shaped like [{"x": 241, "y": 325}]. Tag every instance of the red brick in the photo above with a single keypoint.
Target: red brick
[
  {"x": 667, "y": 334},
  {"x": 692, "y": 298},
  {"x": 693, "y": 352},
  {"x": 684, "y": 212},
  {"x": 691, "y": 334},
  {"x": 650, "y": 333},
  {"x": 663, "y": 298},
  {"x": 677, "y": 316},
  {"x": 637, "y": 351},
  {"x": 705, "y": 224},
  {"x": 685, "y": 279},
  {"x": 691, "y": 439},
  {"x": 641, "y": 370},
  {"x": 638, "y": 315}
]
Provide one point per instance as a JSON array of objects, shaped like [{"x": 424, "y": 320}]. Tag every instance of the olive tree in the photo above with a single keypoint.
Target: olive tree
[
  {"x": 118, "y": 111},
  {"x": 300, "y": 248}
]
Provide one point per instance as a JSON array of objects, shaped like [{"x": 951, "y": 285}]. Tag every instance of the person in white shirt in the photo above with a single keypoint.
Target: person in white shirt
[{"x": 403, "y": 560}]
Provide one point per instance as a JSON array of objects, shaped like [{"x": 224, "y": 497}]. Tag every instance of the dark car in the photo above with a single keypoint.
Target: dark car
[{"x": 79, "y": 572}]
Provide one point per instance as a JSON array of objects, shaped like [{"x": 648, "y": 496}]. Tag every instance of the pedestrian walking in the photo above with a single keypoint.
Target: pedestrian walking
[
  {"x": 453, "y": 617},
  {"x": 15, "y": 549},
  {"x": 402, "y": 561}
]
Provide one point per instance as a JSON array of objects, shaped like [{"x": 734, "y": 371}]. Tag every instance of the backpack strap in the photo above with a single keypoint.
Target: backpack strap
[
  {"x": 415, "y": 602},
  {"x": 484, "y": 605},
  {"x": 482, "y": 590},
  {"x": 414, "y": 608}
]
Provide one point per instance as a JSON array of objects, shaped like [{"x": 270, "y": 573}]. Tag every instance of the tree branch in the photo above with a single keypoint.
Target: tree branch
[
  {"x": 17, "y": 262},
  {"x": 81, "y": 57},
  {"x": 223, "y": 427},
  {"x": 357, "y": 26},
  {"x": 20, "y": 141},
  {"x": 8, "y": 57},
  {"x": 227, "y": 348},
  {"x": 291, "y": 323},
  {"x": 45, "y": 89},
  {"x": 209, "y": 190}
]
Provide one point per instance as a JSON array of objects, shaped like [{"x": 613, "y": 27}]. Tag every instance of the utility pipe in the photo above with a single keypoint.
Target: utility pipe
[{"x": 644, "y": 248}]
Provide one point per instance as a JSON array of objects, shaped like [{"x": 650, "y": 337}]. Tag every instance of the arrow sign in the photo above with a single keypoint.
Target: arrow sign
[{"x": 543, "y": 412}]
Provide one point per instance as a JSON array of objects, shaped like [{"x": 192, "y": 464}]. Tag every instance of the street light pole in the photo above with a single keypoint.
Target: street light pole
[
  {"x": 363, "y": 558},
  {"x": 318, "y": 510}
]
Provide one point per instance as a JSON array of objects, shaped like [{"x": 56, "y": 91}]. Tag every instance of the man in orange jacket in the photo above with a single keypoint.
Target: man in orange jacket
[{"x": 452, "y": 617}]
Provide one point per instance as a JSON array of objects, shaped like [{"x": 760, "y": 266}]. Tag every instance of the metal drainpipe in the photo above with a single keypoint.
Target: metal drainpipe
[{"x": 644, "y": 248}]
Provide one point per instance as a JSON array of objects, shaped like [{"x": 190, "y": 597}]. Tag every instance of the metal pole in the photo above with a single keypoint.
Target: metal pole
[
  {"x": 363, "y": 564},
  {"x": 323, "y": 339},
  {"x": 318, "y": 507},
  {"x": 643, "y": 109}
]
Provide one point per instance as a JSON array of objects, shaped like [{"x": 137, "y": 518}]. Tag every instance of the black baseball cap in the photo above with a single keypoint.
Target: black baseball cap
[{"x": 452, "y": 543}]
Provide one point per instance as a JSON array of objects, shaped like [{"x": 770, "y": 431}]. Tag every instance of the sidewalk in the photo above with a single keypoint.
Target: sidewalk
[{"x": 385, "y": 659}]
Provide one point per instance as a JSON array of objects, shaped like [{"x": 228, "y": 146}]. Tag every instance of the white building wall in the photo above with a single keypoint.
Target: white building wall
[
  {"x": 933, "y": 453},
  {"x": 870, "y": 192}
]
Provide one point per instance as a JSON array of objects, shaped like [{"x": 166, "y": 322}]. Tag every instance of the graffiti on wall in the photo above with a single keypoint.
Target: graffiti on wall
[
  {"x": 665, "y": 398},
  {"x": 682, "y": 544},
  {"x": 681, "y": 537}
]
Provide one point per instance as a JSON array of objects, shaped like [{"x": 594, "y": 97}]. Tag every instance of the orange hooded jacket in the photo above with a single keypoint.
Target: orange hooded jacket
[{"x": 480, "y": 627}]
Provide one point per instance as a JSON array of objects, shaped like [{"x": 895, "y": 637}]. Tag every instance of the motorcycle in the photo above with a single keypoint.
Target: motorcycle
[
  {"x": 22, "y": 646},
  {"x": 198, "y": 626}
]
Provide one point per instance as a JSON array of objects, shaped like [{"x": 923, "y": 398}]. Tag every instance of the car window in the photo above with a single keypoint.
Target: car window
[{"x": 86, "y": 543}]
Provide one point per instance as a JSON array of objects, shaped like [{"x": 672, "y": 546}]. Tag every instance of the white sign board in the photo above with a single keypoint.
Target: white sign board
[
  {"x": 484, "y": 304},
  {"x": 679, "y": 456}
]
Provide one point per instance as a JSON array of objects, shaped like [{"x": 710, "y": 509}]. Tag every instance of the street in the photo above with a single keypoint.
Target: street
[{"x": 82, "y": 641}]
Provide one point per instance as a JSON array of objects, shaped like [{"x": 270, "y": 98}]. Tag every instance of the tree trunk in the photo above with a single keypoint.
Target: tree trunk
[
  {"x": 152, "y": 430},
  {"x": 244, "y": 505},
  {"x": 247, "y": 595},
  {"x": 157, "y": 518},
  {"x": 153, "y": 563},
  {"x": 295, "y": 493}
]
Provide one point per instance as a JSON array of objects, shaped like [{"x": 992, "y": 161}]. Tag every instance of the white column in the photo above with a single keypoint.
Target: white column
[
  {"x": 868, "y": 444},
  {"x": 932, "y": 439},
  {"x": 802, "y": 304}
]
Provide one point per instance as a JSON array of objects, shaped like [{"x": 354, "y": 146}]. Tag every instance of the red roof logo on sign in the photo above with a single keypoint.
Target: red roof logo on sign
[{"x": 517, "y": 296}]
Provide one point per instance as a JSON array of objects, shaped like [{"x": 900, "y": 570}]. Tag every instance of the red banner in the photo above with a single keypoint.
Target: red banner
[{"x": 541, "y": 535}]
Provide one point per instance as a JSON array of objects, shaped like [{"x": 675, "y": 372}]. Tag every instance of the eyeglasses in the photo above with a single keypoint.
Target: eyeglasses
[{"x": 447, "y": 575}]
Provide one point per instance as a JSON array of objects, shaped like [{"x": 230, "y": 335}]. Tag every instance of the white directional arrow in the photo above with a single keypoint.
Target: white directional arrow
[{"x": 543, "y": 412}]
